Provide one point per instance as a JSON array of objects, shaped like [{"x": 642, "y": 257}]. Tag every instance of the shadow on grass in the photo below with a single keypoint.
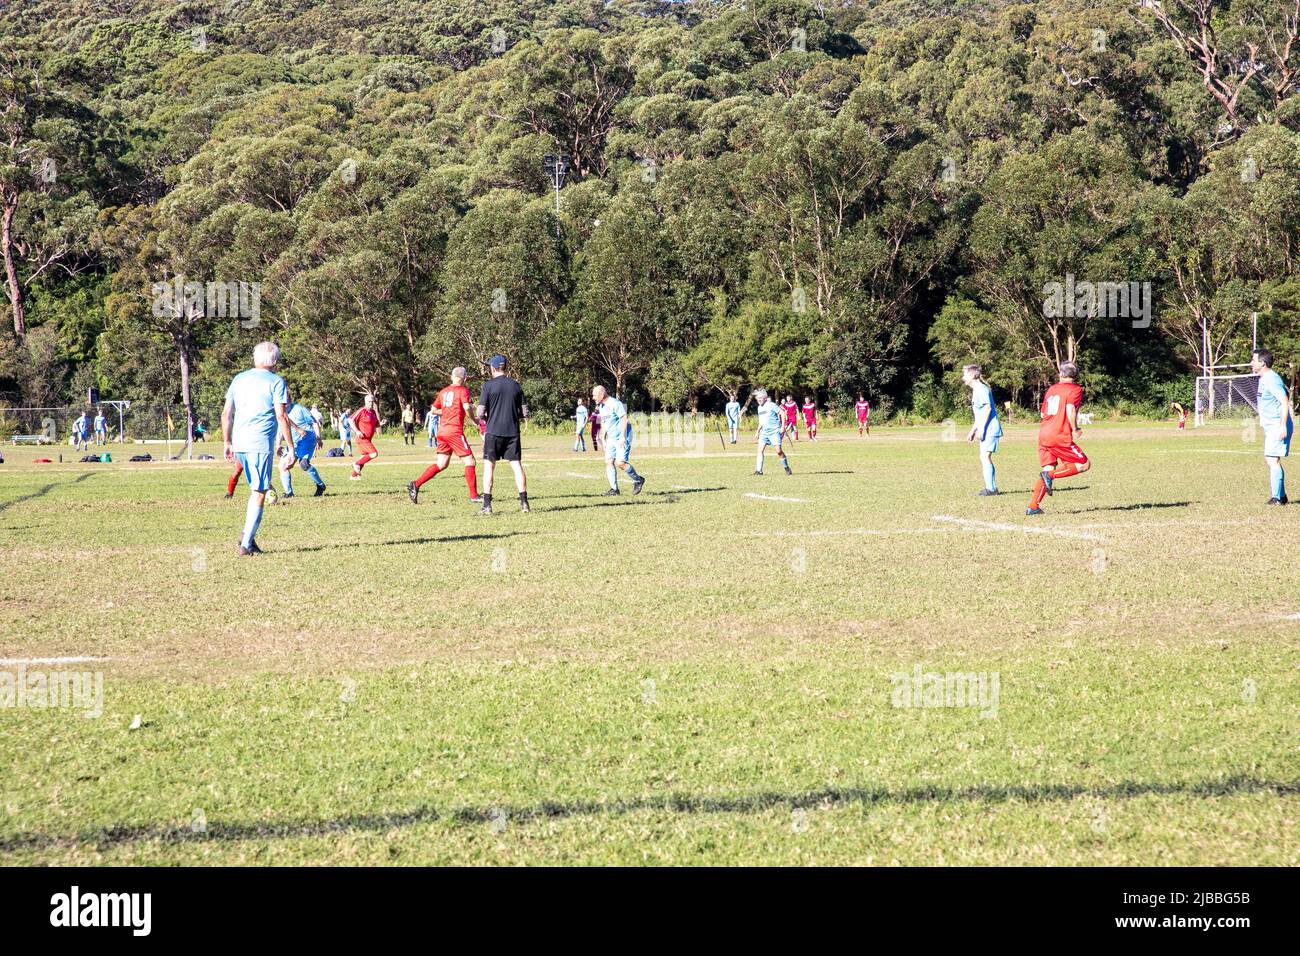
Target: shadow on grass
[
  {"x": 45, "y": 490},
  {"x": 673, "y": 803},
  {"x": 1144, "y": 506},
  {"x": 443, "y": 539}
]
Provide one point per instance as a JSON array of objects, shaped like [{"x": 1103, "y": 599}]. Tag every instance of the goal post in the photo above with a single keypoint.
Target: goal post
[{"x": 1225, "y": 396}]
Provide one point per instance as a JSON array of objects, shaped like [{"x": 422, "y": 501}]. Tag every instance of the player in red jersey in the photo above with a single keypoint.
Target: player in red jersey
[
  {"x": 791, "y": 410},
  {"x": 365, "y": 422},
  {"x": 452, "y": 407},
  {"x": 863, "y": 408},
  {"x": 1058, "y": 435},
  {"x": 810, "y": 417}
]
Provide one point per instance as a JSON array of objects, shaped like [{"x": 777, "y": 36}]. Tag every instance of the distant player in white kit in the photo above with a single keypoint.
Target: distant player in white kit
[
  {"x": 771, "y": 428},
  {"x": 580, "y": 416}
]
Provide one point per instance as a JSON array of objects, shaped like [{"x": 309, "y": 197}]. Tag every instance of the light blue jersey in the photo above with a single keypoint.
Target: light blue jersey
[
  {"x": 981, "y": 399},
  {"x": 304, "y": 443},
  {"x": 770, "y": 423},
  {"x": 613, "y": 422},
  {"x": 580, "y": 418},
  {"x": 100, "y": 423},
  {"x": 79, "y": 426},
  {"x": 733, "y": 411},
  {"x": 1271, "y": 399},
  {"x": 254, "y": 394}
]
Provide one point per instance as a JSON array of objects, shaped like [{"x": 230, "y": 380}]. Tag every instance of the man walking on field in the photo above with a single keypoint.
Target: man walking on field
[
  {"x": 453, "y": 408},
  {"x": 863, "y": 408},
  {"x": 501, "y": 405},
  {"x": 254, "y": 412},
  {"x": 1058, "y": 435},
  {"x": 365, "y": 422},
  {"x": 618, "y": 440}
]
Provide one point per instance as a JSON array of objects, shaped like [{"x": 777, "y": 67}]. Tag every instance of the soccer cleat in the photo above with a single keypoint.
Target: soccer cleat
[
  {"x": 320, "y": 490},
  {"x": 287, "y": 494},
  {"x": 1277, "y": 501},
  {"x": 1033, "y": 511},
  {"x": 787, "y": 467},
  {"x": 985, "y": 492},
  {"x": 229, "y": 495},
  {"x": 523, "y": 507},
  {"x": 758, "y": 472},
  {"x": 609, "y": 492},
  {"x": 485, "y": 510},
  {"x": 355, "y": 476},
  {"x": 252, "y": 546},
  {"x": 1047, "y": 482},
  {"x": 413, "y": 492},
  {"x": 476, "y": 500},
  {"x": 637, "y": 486}
]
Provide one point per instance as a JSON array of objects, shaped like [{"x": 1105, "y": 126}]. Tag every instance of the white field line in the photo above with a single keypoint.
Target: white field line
[
  {"x": 6, "y": 661},
  {"x": 999, "y": 526},
  {"x": 1291, "y": 617},
  {"x": 840, "y": 532},
  {"x": 1210, "y": 451},
  {"x": 750, "y": 494},
  {"x": 574, "y": 474}
]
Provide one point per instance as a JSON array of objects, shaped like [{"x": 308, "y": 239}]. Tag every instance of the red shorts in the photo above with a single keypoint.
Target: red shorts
[
  {"x": 366, "y": 446},
  {"x": 1051, "y": 454},
  {"x": 453, "y": 445}
]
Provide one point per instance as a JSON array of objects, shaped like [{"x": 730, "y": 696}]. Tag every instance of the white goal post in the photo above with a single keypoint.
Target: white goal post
[{"x": 1225, "y": 396}]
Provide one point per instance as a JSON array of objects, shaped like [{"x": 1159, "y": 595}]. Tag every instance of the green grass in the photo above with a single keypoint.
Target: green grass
[{"x": 688, "y": 676}]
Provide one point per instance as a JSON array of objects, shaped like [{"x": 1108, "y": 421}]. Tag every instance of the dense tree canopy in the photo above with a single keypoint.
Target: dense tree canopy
[{"x": 822, "y": 197}]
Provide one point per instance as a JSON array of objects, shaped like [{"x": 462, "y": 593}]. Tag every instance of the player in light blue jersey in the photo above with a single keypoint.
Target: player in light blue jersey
[
  {"x": 617, "y": 428},
  {"x": 101, "y": 428},
  {"x": 771, "y": 429},
  {"x": 1273, "y": 403},
  {"x": 987, "y": 429},
  {"x": 80, "y": 431},
  {"x": 580, "y": 416},
  {"x": 345, "y": 430},
  {"x": 733, "y": 417},
  {"x": 431, "y": 418},
  {"x": 306, "y": 442},
  {"x": 253, "y": 415}
]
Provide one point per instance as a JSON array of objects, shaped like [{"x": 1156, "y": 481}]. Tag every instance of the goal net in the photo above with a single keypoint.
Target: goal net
[{"x": 1225, "y": 396}]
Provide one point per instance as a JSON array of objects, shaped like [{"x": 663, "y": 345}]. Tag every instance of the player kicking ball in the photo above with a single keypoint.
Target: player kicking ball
[
  {"x": 1058, "y": 435},
  {"x": 771, "y": 429},
  {"x": 306, "y": 442},
  {"x": 452, "y": 404},
  {"x": 618, "y": 440}
]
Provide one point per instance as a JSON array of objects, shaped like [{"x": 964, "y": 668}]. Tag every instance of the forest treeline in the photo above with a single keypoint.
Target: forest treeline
[{"x": 822, "y": 198}]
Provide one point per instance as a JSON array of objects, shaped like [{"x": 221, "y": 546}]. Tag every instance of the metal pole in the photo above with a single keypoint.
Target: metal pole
[{"x": 557, "y": 200}]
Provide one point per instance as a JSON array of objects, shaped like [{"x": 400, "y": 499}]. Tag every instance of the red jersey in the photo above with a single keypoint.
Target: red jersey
[
  {"x": 810, "y": 413},
  {"x": 1055, "y": 428},
  {"x": 366, "y": 422},
  {"x": 863, "y": 409},
  {"x": 791, "y": 412},
  {"x": 451, "y": 402}
]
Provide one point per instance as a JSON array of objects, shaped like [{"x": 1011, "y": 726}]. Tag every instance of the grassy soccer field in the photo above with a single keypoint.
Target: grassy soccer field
[{"x": 706, "y": 673}]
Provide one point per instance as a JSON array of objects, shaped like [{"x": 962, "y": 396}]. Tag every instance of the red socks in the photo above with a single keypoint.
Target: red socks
[
  {"x": 471, "y": 479},
  {"x": 360, "y": 463},
  {"x": 1065, "y": 471},
  {"x": 1040, "y": 489},
  {"x": 230, "y": 485},
  {"x": 428, "y": 473}
]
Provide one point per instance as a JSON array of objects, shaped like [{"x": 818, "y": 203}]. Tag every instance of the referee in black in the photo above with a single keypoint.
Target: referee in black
[{"x": 501, "y": 402}]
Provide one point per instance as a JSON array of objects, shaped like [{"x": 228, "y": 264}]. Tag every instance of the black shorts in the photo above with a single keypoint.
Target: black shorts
[
  {"x": 497, "y": 447},
  {"x": 408, "y": 427}
]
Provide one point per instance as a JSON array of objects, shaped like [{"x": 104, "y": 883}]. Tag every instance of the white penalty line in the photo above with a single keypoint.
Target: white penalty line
[
  {"x": 999, "y": 526},
  {"x": 8, "y": 661},
  {"x": 750, "y": 494}
]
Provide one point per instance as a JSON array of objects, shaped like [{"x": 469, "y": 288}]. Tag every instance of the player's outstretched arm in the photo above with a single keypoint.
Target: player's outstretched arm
[
  {"x": 286, "y": 433},
  {"x": 227, "y": 414}
]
